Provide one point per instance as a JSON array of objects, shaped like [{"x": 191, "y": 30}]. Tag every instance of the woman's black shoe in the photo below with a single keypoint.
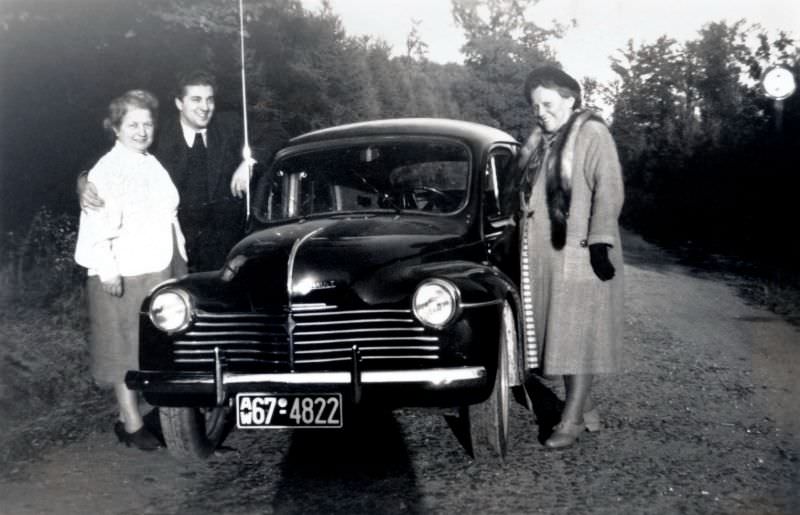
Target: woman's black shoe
[
  {"x": 119, "y": 430},
  {"x": 141, "y": 439}
]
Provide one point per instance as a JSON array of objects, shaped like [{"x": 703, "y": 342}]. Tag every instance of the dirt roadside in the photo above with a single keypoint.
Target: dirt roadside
[
  {"x": 696, "y": 306},
  {"x": 705, "y": 420}
]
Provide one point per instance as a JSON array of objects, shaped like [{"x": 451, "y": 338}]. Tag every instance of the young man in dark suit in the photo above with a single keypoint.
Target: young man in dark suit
[{"x": 203, "y": 155}]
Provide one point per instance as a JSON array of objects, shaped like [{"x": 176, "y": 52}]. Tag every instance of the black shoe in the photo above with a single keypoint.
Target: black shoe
[
  {"x": 119, "y": 430},
  {"x": 141, "y": 439}
]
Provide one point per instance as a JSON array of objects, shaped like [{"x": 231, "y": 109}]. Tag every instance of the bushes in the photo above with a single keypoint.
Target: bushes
[
  {"x": 43, "y": 315},
  {"x": 44, "y": 356},
  {"x": 38, "y": 265}
]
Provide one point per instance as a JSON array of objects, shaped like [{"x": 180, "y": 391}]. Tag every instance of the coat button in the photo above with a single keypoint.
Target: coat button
[{"x": 584, "y": 243}]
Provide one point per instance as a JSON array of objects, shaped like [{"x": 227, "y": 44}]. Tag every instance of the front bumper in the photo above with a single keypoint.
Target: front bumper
[{"x": 391, "y": 388}]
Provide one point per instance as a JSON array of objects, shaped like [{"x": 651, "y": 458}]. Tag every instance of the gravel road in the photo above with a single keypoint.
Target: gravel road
[{"x": 705, "y": 419}]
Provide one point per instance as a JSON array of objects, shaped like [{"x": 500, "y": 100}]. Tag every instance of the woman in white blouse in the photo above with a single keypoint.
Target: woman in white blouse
[{"x": 128, "y": 246}]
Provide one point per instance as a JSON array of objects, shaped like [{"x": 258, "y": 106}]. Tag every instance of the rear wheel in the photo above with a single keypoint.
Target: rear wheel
[
  {"x": 488, "y": 421},
  {"x": 194, "y": 433}
]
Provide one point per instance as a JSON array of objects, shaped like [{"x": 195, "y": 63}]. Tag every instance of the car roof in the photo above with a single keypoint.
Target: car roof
[{"x": 469, "y": 131}]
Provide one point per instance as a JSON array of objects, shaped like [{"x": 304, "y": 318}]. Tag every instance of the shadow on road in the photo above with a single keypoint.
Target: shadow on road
[
  {"x": 545, "y": 404},
  {"x": 362, "y": 469}
]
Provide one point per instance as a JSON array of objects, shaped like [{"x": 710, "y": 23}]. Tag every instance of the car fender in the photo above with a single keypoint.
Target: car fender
[{"x": 478, "y": 284}]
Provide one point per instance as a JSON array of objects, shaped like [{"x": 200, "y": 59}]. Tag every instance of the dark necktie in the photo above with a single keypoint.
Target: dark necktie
[
  {"x": 193, "y": 189},
  {"x": 195, "y": 177},
  {"x": 197, "y": 153},
  {"x": 198, "y": 142}
]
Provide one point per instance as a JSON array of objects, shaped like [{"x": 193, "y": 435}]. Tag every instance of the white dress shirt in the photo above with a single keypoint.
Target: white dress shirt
[
  {"x": 188, "y": 135},
  {"x": 132, "y": 234}
]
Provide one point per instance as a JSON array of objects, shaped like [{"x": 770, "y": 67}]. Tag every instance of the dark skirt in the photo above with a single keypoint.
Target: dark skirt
[{"x": 114, "y": 322}]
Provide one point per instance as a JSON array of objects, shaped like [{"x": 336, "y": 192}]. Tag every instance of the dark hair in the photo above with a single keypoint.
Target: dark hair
[
  {"x": 551, "y": 77},
  {"x": 194, "y": 78},
  {"x": 135, "y": 98}
]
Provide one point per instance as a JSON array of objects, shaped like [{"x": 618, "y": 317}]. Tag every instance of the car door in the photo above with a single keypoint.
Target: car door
[
  {"x": 501, "y": 224},
  {"x": 499, "y": 210}
]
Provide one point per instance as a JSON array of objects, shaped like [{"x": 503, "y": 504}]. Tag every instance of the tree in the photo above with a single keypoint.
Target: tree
[
  {"x": 502, "y": 46},
  {"x": 416, "y": 48},
  {"x": 61, "y": 65},
  {"x": 701, "y": 161},
  {"x": 725, "y": 104},
  {"x": 303, "y": 72}
]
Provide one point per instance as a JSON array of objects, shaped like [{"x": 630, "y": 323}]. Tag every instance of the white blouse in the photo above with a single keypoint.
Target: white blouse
[{"x": 132, "y": 233}]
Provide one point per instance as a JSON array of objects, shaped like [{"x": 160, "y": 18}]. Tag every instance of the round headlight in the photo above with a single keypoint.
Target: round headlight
[
  {"x": 436, "y": 302},
  {"x": 171, "y": 310}
]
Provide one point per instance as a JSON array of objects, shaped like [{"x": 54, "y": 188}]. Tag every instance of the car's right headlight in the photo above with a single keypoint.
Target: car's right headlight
[
  {"x": 436, "y": 302},
  {"x": 171, "y": 310}
]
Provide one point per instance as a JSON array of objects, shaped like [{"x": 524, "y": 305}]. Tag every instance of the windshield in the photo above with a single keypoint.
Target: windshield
[{"x": 415, "y": 176}]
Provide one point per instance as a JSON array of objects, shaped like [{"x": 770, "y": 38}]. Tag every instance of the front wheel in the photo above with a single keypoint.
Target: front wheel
[
  {"x": 488, "y": 420},
  {"x": 192, "y": 434}
]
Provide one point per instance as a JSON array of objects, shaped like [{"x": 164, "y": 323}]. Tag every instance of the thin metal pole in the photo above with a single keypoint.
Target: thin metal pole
[{"x": 246, "y": 153}]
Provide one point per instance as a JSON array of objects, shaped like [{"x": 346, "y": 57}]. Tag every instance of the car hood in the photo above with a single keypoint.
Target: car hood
[{"x": 322, "y": 261}]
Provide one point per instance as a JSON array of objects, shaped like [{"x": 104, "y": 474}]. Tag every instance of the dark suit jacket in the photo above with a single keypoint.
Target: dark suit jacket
[{"x": 223, "y": 216}]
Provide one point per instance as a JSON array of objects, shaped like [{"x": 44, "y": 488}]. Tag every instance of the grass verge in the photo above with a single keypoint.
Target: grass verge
[{"x": 47, "y": 396}]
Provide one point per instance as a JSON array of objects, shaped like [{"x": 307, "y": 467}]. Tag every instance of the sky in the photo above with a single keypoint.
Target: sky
[{"x": 603, "y": 25}]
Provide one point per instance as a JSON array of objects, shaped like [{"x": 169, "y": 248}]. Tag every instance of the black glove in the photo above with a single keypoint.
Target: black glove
[{"x": 598, "y": 255}]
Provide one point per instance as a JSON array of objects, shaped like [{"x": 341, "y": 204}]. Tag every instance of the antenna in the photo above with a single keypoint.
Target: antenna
[{"x": 247, "y": 155}]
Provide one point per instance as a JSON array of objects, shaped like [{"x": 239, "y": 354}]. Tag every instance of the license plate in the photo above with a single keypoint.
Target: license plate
[{"x": 264, "y": 410}]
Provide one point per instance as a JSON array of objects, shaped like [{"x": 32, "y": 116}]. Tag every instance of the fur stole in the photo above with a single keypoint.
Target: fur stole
[{"x": 558, "y": 168}]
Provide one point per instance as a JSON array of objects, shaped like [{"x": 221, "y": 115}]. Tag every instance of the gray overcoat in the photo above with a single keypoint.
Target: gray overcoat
[{"x": 578, "y": 317}]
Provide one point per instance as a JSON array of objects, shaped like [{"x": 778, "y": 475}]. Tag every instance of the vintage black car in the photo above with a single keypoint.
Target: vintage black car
[{"x": 381, "y": 269}]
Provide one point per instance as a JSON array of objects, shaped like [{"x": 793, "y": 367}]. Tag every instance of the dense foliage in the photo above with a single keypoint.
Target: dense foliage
[
  {"x": 702, "y": 156},
  {"x": 706, "y": 160},
  {"x": 303, "y": 72}
]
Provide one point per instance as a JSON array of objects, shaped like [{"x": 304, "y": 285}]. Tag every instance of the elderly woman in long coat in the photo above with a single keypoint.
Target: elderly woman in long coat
[{"x": 572, "y": 194}]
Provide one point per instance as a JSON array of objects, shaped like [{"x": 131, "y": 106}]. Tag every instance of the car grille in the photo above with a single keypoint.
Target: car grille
[
  {"x": 307, "y": 340},
  {"x": 242, "y": 339},
  {"x": 327, "y": 339}
]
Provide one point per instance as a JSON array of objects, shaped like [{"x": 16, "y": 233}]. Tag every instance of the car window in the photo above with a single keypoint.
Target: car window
[
  {"x": 498, "y": 184},
  {"x": 415, "y": 176}
]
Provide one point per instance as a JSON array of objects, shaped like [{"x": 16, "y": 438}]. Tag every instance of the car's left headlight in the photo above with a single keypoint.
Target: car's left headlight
[
  {"x": 171, "y": 310},
  {"x": 436, "y": 303}
]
